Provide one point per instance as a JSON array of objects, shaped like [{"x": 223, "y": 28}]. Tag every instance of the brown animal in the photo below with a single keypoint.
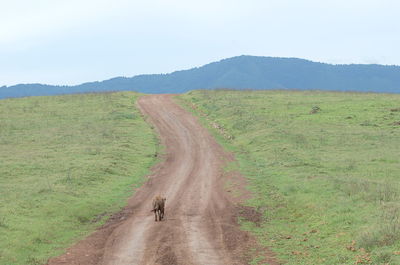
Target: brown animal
[{"x": 158, "y": 207}]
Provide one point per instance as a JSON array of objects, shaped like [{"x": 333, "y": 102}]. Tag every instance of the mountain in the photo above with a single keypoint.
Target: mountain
[{"x": 241, "y": 72}]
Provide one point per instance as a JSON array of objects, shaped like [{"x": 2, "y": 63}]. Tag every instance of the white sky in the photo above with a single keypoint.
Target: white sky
[{"x": 74, "y": 41}]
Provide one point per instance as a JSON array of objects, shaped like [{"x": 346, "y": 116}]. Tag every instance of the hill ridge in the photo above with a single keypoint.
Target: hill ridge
[{"x": 239, "y": 72}]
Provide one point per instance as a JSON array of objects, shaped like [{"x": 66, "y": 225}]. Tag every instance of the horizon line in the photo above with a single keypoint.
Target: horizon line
[{"x": 196, "y": 67}]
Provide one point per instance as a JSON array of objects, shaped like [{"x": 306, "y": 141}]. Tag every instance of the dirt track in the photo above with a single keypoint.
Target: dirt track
[{"x": 200, "y": 225}]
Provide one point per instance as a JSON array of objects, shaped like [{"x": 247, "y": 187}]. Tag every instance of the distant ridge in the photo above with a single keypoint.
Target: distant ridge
[{"x": 241, "y": 72}]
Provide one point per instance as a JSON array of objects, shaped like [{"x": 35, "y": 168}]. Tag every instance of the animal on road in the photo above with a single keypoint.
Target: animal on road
[{"x": 158, "y": 207}]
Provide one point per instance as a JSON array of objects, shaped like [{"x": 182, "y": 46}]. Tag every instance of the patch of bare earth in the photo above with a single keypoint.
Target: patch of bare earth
[{"x": 200, "y": 226}]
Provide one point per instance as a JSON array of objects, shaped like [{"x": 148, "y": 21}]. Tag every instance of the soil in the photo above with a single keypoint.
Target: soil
[{"x": 200, "y": 225}]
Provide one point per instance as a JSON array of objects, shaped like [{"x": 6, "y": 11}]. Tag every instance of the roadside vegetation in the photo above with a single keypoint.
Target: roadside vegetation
[
  {"x": 66, "y": 163},
  {"x": 323, "y": 167}
]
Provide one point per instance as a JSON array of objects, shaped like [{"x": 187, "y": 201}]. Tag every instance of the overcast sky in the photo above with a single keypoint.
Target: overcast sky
[{"x": 74, "y": 41}]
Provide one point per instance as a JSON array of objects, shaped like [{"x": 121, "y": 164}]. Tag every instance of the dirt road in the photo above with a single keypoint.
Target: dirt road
[{"x": 200, "y": 225}]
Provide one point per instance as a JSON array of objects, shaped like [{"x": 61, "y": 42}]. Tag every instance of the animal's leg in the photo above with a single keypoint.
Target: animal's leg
[{"x": 155, "y": 215}]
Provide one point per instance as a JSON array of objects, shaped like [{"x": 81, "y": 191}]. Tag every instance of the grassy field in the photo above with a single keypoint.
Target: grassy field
[
  {"x": 324, "y": 169},
  {"x": 66, "y": 162}
]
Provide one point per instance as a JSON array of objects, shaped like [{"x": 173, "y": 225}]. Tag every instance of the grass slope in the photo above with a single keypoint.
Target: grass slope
[
  {"x": 326, "y": 183},
  {"x": 66, "y": 162}
]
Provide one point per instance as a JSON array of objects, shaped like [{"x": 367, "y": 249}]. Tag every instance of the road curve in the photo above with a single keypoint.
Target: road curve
[{"x": 200, "y": 225}]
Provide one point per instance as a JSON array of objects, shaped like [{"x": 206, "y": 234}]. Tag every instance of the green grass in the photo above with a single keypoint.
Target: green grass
[
  {"x": 66, "y": 163},
  {"x": 320, "y": 180}
]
